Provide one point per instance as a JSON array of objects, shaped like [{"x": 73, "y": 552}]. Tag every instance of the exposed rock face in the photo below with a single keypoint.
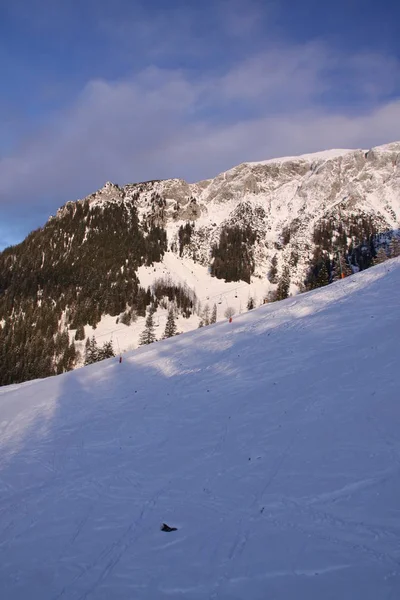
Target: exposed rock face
[
  {"x": 276, "y": 226},
  {"x": 274, "y": 197}
]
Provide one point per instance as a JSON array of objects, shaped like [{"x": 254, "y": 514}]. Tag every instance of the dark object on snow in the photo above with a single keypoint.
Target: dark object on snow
[{"x": 165, "y": 527}]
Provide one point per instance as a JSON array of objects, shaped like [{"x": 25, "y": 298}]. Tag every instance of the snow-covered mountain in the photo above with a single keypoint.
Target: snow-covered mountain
[
  {"x": 270, "y": 443},
  {"x": 283, "y": 201},
  {"x": 279, "y": 198},
  {"x": 257, "y": 232}
]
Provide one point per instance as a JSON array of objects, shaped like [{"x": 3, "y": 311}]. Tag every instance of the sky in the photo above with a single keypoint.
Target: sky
[{"x": 129, "y": 90}]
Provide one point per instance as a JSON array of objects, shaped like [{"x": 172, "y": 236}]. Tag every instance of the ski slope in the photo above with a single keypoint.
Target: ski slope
[
  {"x": 184, "y": 271},
  {"x": 271, "y": 443}
]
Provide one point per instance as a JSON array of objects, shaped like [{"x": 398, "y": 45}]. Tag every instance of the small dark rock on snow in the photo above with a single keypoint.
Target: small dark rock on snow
[{"x": 165, "y": 527}]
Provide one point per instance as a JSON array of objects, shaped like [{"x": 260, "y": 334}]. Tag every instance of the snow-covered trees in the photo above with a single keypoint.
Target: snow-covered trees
[
  {"x": 340, "y": 268},
  {"x": 206, "y": 315},
  {"x": 250, "y": 303},
  {"x": 273, "y": 272},
  {"x": 91, "y": 351},
  {"x": 380, "y": 257},
  {"x": 170, "y": 327},
  {"x": 282, "y": 291},
  {"x": 148, "y": 336},
  {"x": 94, "y": 354},
  {"x": 206, "y": 318},
  {"x": 126, "y": 318},
  {"x": 233, "y": 255},
  {"x": 214, "y": 314},
  {"x": 184, "y": 235},
  {"x": 80, "y": 333},
  {"x": 323, "y": 276},
  {"x": 394, "y": 247},
  {"x": 106, "y": 351}
]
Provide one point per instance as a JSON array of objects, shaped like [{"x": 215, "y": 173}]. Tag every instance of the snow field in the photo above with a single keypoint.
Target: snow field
[
  {"x": 209, "y": 290},
  {"x": 270, "y": 443}
]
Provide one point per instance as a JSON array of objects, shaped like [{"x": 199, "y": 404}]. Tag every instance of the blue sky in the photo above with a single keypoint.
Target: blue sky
[{"x": 128, "y": 90}]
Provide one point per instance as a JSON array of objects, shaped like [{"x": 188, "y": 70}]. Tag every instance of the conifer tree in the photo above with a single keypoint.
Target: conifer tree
[
  {"x": 206, "y": 315},
  {"x": 340, "y": 268},
  {"x": 170, "y": 327},
  {"x": 380, "y": 257},
  {"x": 80, "y": 333},
  {"x": 214, "y": 314},
  {"x": 323, "y": 276},
  {"x": 148, "y": 335},
  {"x": 91, "y": 352},
  {"x": 273, "y": 272},
  {"x": 250, "y": 303},
  {"x": 106, "y": 351},
  {"x": 394, "y": 247},
  {"x": 69, "y": 357},
  {"x": 282, "y": 291}
]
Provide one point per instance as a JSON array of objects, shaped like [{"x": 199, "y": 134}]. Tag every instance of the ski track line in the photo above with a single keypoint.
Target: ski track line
[
  {"x": 378, "y": 556},
  {"x": 120, "y": 545},
  {"x": 241, "y": 538},
  {"x": 354, "y": 527}
]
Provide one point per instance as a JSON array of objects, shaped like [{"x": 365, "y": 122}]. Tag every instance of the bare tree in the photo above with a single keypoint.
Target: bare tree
[{"x": 230, "y": 311}]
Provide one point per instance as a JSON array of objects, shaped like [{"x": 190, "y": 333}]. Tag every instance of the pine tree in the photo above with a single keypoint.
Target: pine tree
[
  {"x": 80, "y": 333},
  {"x": 126, "y": 318},
  {"x": 106, "y": 351},
  {"x": 91, "y": 352},
  {"x": 148, "y": 335},
  {"x": 273, "y": 272},
  {"x": 340, "y": 268},
  {"x": 170, "y": 327},
  {"x": 214, "y": 314},
  {"x": 380, "y": 257},
  {"x": 323, "y": 276},
  {"x": 250, "y": 303},
  {"x": 394, "y": 247},
  {"x": 206, "y": 315},
  {"x": 282, "y": 291}
]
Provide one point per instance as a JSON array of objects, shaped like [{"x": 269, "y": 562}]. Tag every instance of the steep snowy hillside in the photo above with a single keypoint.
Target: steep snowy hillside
[
  {"x": 258, "y": 232},
  {"x": 270, "y": 443},
  {"x": 284, "y": 201},
  {"x": 324, "y": 203}
]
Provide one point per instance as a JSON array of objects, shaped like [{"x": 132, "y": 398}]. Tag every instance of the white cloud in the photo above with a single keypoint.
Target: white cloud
[{"x": 165, "y": 123}]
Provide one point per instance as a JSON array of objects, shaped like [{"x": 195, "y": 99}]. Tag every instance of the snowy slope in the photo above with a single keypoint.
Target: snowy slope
[
  {"x": 209, "y": 291},
  {"x": 275, "y": 196},
  {"x": 270, "y": 443},
  {"x": 324, "y": 155},
  {"x": 270, "y": 196}
]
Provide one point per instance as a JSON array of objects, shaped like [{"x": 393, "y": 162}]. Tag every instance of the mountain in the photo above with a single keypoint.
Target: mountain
[
  {"x": 270, "y": 443},
  {"x": 257, "y": 232}
]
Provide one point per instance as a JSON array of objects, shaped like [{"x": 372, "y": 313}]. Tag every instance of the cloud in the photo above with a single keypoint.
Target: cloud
[{"x": 172, "y": 123}]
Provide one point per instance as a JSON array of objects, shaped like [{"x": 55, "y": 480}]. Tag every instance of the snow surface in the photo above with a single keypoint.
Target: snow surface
[
  {"x": 271, "y": 443},
  {"x": 314, "y": 156},
  {"x": 209, "y": 290},
  {"x": 309, "y": 189}
]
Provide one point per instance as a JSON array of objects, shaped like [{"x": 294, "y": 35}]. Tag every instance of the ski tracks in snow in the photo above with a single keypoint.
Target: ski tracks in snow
[{"x": 110, "y": 556}]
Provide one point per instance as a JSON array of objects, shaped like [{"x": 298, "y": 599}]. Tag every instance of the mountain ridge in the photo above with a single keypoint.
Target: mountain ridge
[
  {"x": 257, "y": 232},
  {"x": 306, "y": 187}
]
